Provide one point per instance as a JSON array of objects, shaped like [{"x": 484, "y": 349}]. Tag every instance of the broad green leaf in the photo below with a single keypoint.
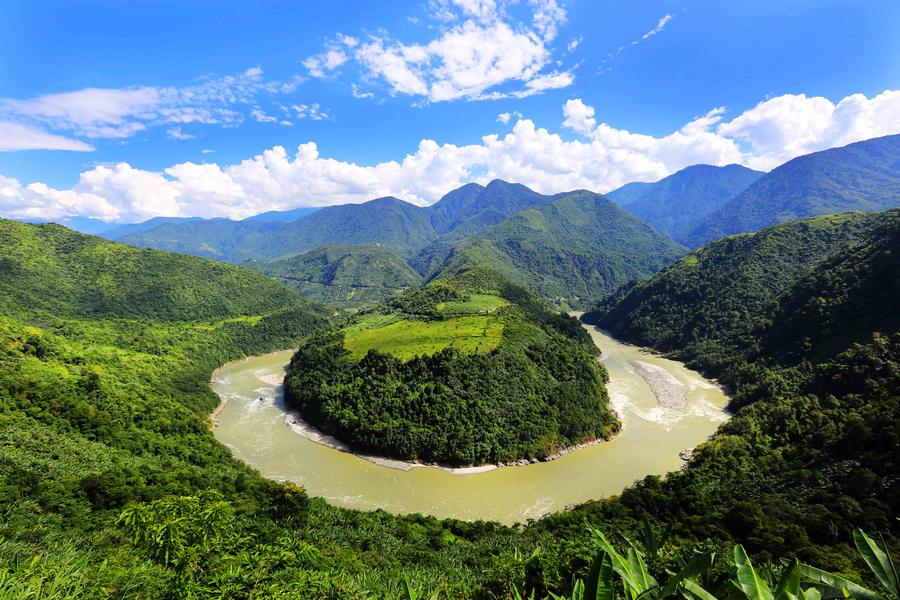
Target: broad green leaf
[
  {"x": 879, "y": 562},
  {"x": 835, "y": 585},
  {"x": 697, "y": 565},
  {"x": 789, "y": 586},
  {"x": 638, "y": 567},
  {"x": 695, "y": 591},
  {"x": 750, "y": 583},
  {"x": 599, "y": 585}
]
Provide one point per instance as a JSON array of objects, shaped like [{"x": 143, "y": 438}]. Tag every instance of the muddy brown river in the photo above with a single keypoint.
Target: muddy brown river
[{"x": 252, "y": 424}]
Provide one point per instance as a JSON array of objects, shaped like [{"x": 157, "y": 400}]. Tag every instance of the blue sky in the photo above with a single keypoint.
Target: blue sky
[{"x": 126, "y": 110}]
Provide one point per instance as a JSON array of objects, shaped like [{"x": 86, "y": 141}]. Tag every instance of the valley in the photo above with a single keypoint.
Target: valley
[
  {"x": 260, "y": 429},
  {"x": 439, "y": 418}
]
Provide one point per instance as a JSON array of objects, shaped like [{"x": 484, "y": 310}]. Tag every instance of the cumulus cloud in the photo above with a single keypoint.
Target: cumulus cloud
[
  {"x": 480, "y": 51},
  {"x": 601, "y": 158},
  {"x": 118, "y": 113}
]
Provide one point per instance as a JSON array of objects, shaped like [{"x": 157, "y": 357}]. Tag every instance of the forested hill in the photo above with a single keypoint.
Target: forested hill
[
  {"x": 861, "y": 176},
  {"x": 677, "y": 204},
  {"x": 572, "y": 251},
  {"x": 466, "y": 370},
  {"x": 705, "y": 299},
  {"x": 51, "y": 270},
  {"x": 815, "y": 375},
  {"x": 343, "y": 275}
]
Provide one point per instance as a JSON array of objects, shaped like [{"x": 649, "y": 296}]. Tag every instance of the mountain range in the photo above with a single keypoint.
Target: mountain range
[
  {"x": 861, "y": 176},
  {"x": 676, "y": 204},
  {"x": 573, "y": 248}
]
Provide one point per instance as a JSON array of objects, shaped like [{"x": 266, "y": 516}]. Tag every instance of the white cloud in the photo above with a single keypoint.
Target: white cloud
[
  {"x": 307, "y": 111},
  {"x": 605, "y": 158},
  {"x": 16, "y": 136},
  {"x": 480, "y": 51},
  {"x": 175, "y": 133},
  {"x": 548, "y": 17},
  {"x": 504, "y": 117},
  {"x": 321, "y": 65},
  {"x": 358, "y": 93},
  {"x": 118, "y": 113},
  {"x": 574, "y": 43},
  {"x": 464, "y": 62},
  {"x": 578, "y": 116},
  {"x": 260, "y": 116},
  {"x": 660, "y": 25},
  {"x": 207, "y": 151}
]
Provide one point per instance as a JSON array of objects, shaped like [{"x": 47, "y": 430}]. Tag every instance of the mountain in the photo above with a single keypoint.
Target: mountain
[
  {"x": 572, "y": 251},
  {"x": 120, "y": 231},
  {"x": 473, "y": 208},
  {"x": 861, "y": 176},
  {"x": 675, "y": 205},
  {"x": 283, "y": 216},
  {"x": 398, "y": 225},
  {"x": 706, "y": 298},
  {"x": 630, "y": 192},
  {"x": 55, "y": 272},
  {"x": 343, "y": 275}
]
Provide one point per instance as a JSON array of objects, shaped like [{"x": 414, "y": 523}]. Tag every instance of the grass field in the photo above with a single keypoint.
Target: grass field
[
  {"x": 477, "y": 304},
  {"x": 407, "y": 338}
]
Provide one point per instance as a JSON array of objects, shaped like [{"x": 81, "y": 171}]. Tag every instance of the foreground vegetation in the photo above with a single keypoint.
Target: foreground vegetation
[
  {"x": 466, "y": 370},
  {"x": 113, "y": 487}
]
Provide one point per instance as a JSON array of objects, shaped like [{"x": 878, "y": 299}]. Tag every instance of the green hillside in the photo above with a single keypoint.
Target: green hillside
[
  {"x": 707, "y": 297},
  {"x": 387, "y": 221},
  {"x": 112, "y": 486},
  {"x": 676, "y": 205},
  {"x": 466, "y": 370},
  {"x": 572, "y": 251},
  {"x": 473, "y": 208},
  {"x": 861, "y": 176},
  {"x": 49, "y": 270},
  {"x": 343, "y": 275}
]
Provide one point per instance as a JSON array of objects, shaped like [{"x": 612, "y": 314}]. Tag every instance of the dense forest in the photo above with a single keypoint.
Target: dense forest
[
  {"x": 114, "y": 487},
  {"x": 538, "y": 390},
  {"x": 343, "y": 275},
  {"x": 814, "y": 365},
  {"x": 571, "y": 252}
]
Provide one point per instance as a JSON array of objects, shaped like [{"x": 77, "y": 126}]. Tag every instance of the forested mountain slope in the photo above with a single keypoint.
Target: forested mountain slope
[
  {"x": 398, "y": 225},
  {"x": 706, "y": 297},
  {"x": 466, "y": 370},
  {"x": 388, "y": 221},
  {"x": 473, "y": 208},
  {"x": 52, "y": 271},
  {"x": 861, "y": 176},
  {"x": 815, "y": 374},
  {"x": 343, "y": 275},
  {"x": 112, "y": 485},
  {"x": 572, "y": 251},
  {"x": 676, "y": 205}
]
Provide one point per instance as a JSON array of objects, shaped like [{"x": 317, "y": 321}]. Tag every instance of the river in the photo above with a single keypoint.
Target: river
[{"x": 252, "y": 424}]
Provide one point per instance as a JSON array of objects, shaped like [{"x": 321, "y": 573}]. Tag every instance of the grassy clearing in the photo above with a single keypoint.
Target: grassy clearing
[
  {"x": 477, "y": 304},
  {"x": 407, "y": 338}
]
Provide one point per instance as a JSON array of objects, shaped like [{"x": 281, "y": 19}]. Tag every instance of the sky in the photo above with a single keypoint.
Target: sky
[{"x": 123, "y": 111}]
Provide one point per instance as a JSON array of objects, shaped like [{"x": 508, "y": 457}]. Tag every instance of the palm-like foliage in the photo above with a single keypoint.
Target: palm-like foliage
[{"x": 617, "y": 576}]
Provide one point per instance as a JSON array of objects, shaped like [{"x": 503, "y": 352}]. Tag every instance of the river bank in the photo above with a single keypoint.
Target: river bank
[
  {"x": 301, "y": 427},
  {"x": 252, "y": 426}
]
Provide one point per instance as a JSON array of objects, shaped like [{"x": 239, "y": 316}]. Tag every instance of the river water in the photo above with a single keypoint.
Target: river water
[{"x": 252, "y": 425}]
